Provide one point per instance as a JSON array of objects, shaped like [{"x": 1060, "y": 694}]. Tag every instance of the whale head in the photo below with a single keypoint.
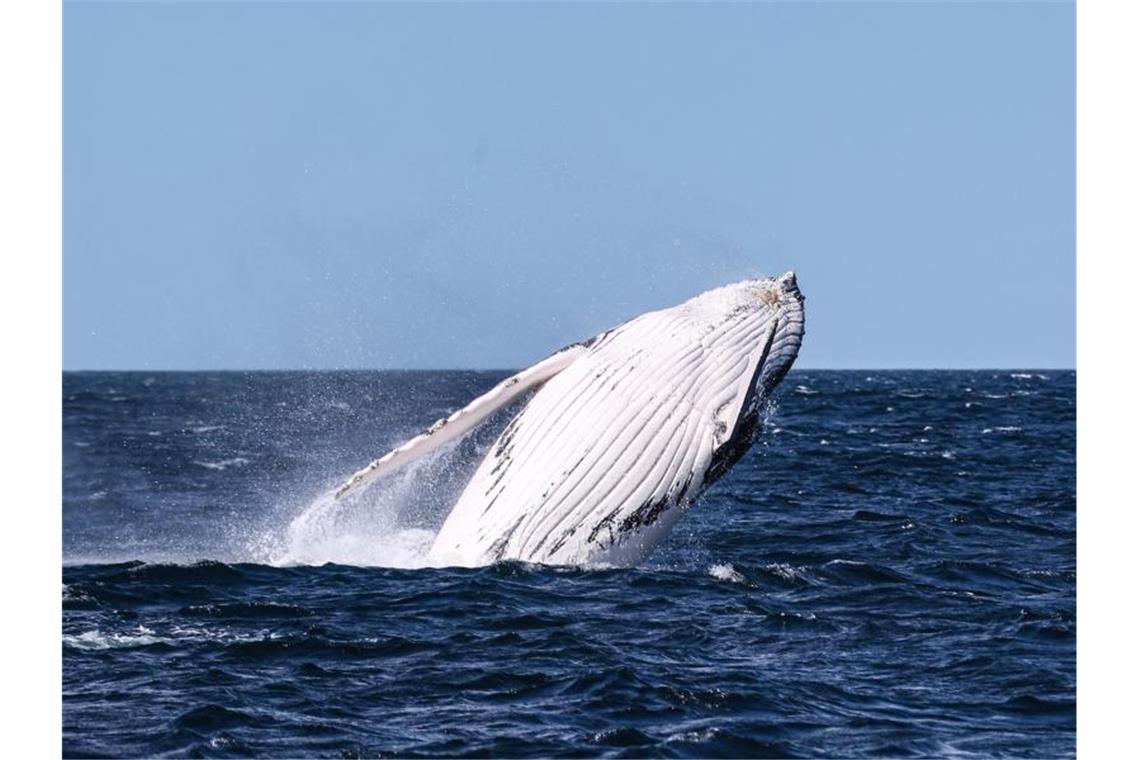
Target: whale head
[
  {"x": 767, "y": 313},
  {"x": 752, "y": 333},
  {"x": 783, "y": 296}
]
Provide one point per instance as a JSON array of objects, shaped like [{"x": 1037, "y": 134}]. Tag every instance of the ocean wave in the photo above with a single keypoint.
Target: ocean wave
[
  {"x": 223, "y": 464},
  {"x": 726, "y": 572},
  {"x": 97, "y": 640},
  {"x": 791, "y": 611},
  {"x": 785, "y": 572}
]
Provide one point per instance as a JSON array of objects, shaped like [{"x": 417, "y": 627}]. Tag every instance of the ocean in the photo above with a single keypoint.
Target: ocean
[{"x": 890, "y": 571}]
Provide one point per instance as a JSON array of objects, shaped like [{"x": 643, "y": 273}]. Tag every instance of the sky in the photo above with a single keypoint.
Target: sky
[{"x": 317, "y": 186}]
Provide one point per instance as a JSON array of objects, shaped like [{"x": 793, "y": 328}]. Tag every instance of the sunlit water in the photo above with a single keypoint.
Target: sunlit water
[{"x": 890, "y": 571}]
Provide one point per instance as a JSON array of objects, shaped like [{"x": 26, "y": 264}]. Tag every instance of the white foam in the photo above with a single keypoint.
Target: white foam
[
  {"x": 697, "y": 735},
  {"x": 396, "y": 548},
  {"x": 726, "y": 572},
  {"x": 94, "y": 640},
  {"x": 391, "y": 523},
  {"x": 223, "y": 464},
  {"x": 785, "y": 571}
]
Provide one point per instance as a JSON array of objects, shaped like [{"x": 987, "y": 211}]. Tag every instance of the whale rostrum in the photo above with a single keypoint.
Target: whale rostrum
[{"x": 624, "y": 431}]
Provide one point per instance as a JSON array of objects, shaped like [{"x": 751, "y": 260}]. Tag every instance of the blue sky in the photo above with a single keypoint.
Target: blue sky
[{"x": 325, "y": 186}]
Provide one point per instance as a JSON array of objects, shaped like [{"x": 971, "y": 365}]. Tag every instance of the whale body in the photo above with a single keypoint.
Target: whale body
[{"x": 623, "y": 434}]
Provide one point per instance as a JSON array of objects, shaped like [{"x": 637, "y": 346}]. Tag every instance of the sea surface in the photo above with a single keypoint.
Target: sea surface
[{"x": 890, "y": 571}]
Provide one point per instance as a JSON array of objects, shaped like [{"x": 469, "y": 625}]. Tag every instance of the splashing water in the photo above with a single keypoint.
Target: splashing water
[
  {"x": 332, "y": 531},
  {"x": 392, "y": 523}
]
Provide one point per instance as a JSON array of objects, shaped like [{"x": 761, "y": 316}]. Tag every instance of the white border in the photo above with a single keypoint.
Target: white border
[
  {"x": 1108, "y": 244},
  {"x": 31, "y": 247},
  {"x": 1108, "y": 211}
]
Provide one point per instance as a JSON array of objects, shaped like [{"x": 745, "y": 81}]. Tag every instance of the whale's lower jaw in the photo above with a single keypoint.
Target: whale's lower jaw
[{"x": 610, "y": 452}]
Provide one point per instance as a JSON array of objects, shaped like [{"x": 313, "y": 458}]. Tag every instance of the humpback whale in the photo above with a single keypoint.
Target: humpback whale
[{"x": 623, "y": 433}]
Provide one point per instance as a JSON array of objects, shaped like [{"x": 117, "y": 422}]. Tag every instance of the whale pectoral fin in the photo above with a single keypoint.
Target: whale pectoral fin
[{"x": 451, "y": 428}]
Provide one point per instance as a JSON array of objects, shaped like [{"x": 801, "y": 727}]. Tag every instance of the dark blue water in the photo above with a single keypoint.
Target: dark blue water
[{"x": 890, "y": 571}]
